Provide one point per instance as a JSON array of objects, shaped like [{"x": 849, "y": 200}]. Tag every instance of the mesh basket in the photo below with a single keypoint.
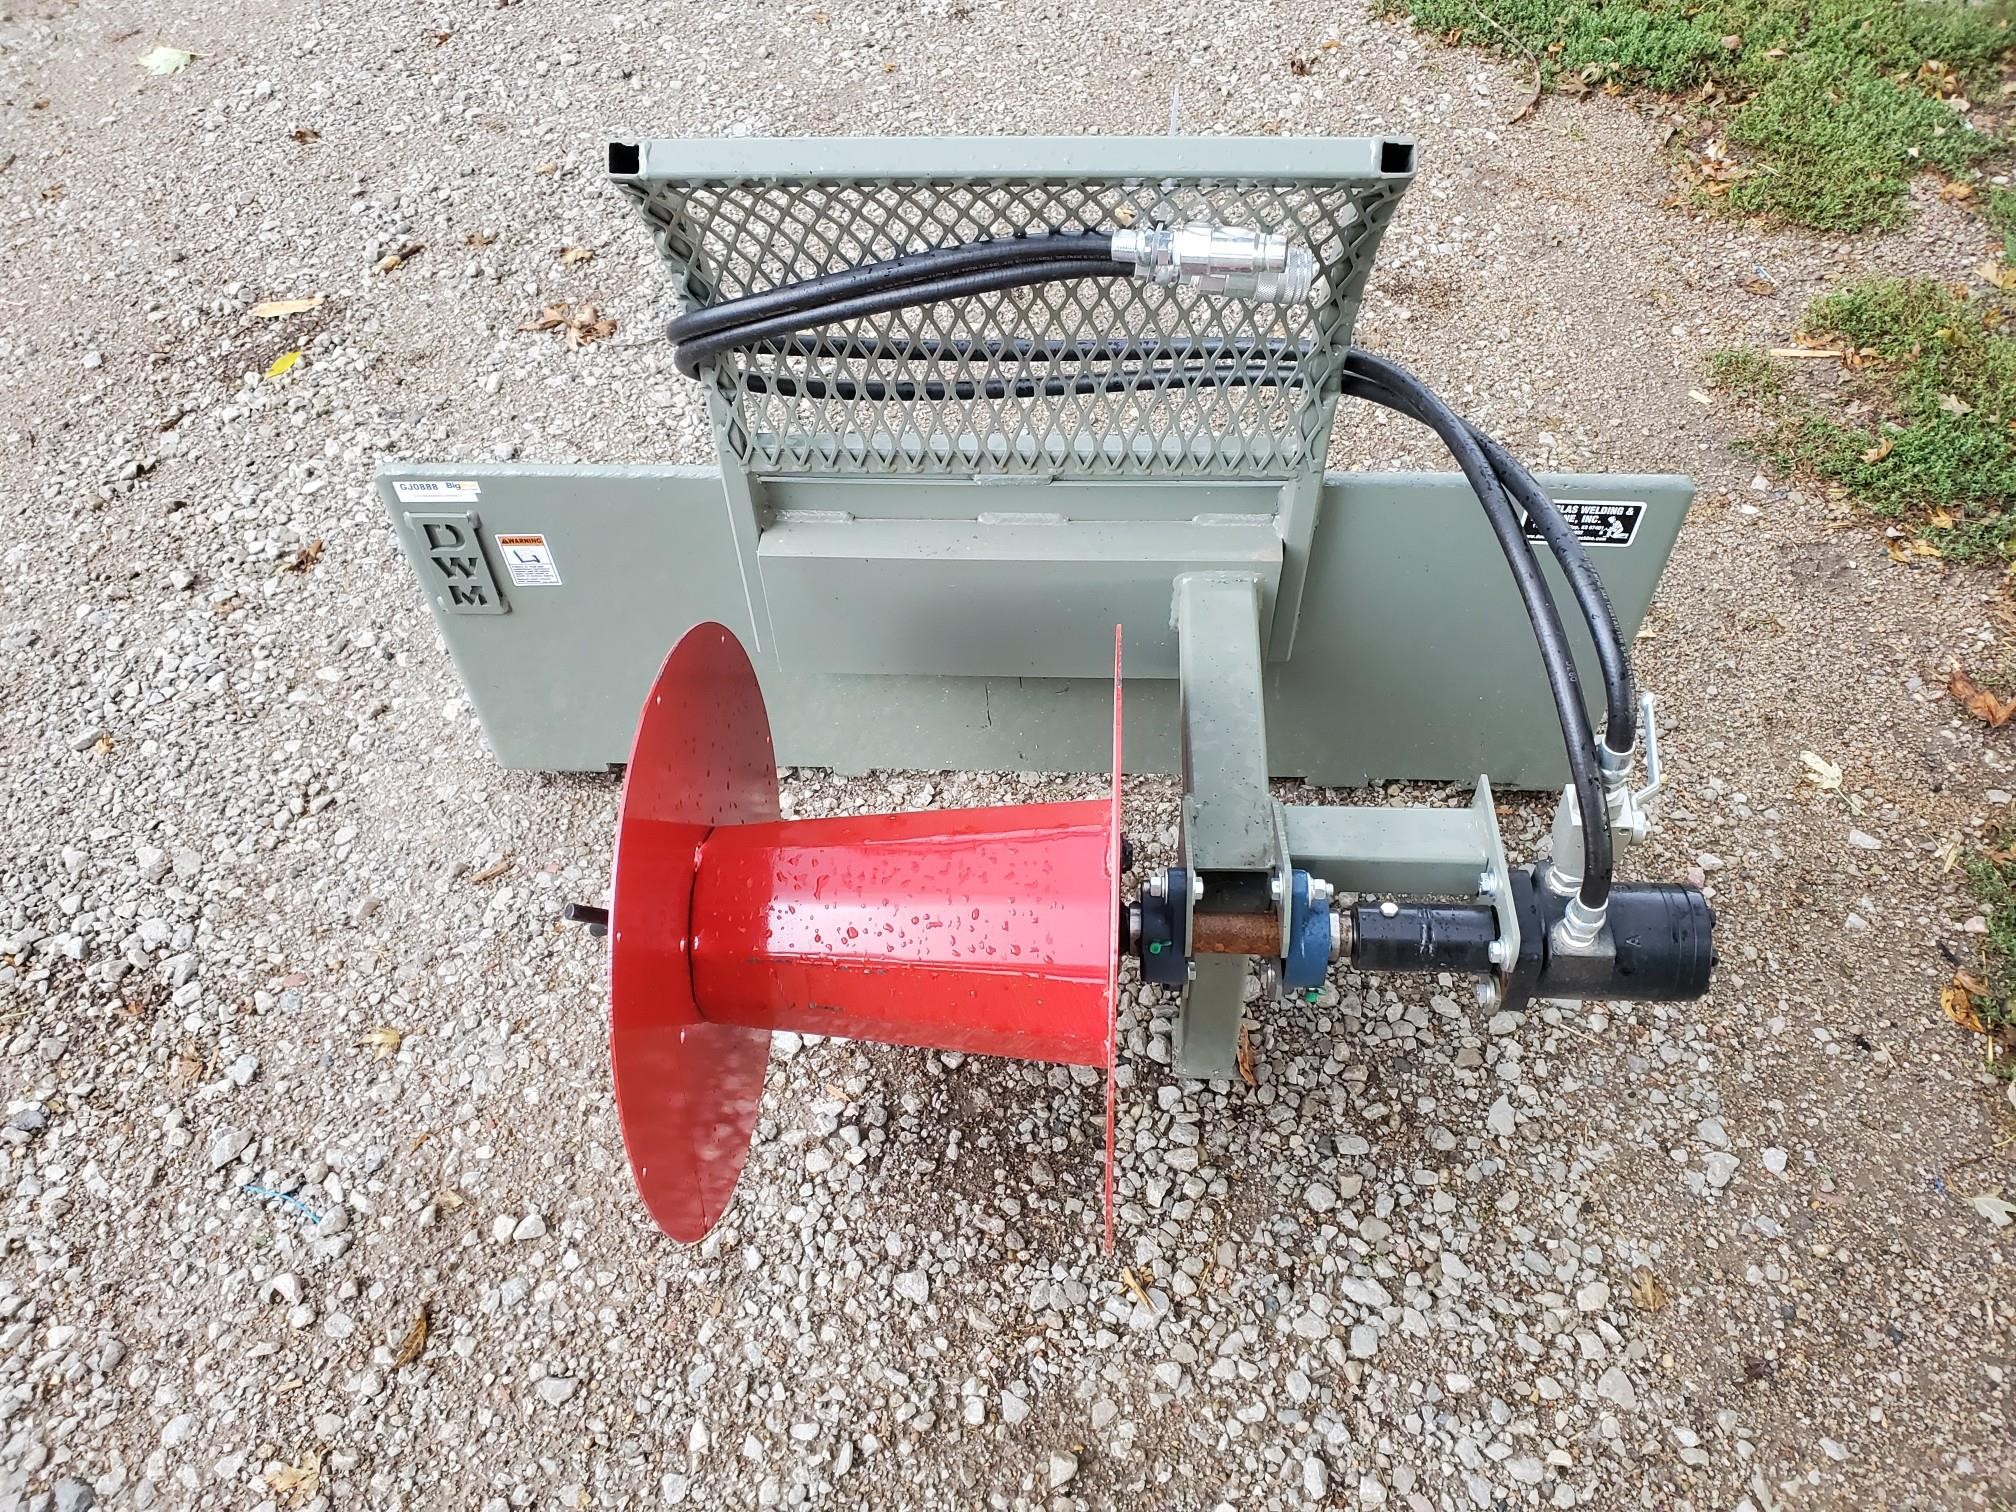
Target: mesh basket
[{"x": 1085, "y": 378}]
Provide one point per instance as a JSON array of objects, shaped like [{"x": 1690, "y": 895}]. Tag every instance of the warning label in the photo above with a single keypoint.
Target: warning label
[
  {"x": 1598, "y": 522},
  {"x": 529, "y": 560}
]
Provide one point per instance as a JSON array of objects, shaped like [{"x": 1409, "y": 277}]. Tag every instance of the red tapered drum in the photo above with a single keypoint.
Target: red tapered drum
[{"x": 990, "y": 931}]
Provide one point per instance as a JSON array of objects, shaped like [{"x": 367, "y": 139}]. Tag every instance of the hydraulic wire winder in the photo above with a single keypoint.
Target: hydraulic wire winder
[{"x": 983, "y": 409}]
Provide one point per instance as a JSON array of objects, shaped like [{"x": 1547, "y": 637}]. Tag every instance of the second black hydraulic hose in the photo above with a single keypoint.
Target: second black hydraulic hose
[{"x": 1375, "y": 378}]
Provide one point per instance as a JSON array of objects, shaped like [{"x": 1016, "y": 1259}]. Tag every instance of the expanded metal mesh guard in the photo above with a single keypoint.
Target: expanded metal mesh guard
[{"x": 1086, "y": 378}]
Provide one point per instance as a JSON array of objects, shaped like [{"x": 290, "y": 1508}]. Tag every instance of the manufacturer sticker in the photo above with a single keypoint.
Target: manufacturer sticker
[
  {"x": 436, "y": 491},
  {"x": 1598, "y": 522},
  {"x": 529, "y": 560}
]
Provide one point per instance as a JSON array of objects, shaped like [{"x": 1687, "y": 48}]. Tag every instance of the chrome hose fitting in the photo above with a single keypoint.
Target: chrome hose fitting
[
  {"x": 1579, "y": 928},
  {"x": 1235, "y": 261}
]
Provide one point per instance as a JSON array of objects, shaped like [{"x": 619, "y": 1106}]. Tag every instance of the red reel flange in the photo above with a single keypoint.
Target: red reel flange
[{"x": 990, "y": 931}]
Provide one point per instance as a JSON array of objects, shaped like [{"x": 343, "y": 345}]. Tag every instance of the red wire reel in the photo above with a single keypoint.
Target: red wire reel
[{"x": 992, "y": 931}]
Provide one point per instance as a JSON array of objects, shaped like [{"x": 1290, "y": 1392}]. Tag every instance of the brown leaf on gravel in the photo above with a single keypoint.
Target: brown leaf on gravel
[
  {"x": 1757, "y": 284},
  {"x": 1133, "y": 1284},
  {"x": 382, "y": 1041},
  {"x": 493, "y": 871},
  {"x": 305, "y": 134},
  {"x": 1957, "y": 1003},
  {"x": 1246, "y": 1071},
  {"x": 1647, "y": 1290},
  {"x": 1978, "y": 701},
  {"x": 2001, "y": 275},
  {"x": 582, "y": 326},
  {"x": 479, "y": 238},
  {"x": 306, "y": 557},
  {"x": 297, "y": 1482},
  {"x": 573, "y": 255},
  {"x": 415, "y": 1341}
]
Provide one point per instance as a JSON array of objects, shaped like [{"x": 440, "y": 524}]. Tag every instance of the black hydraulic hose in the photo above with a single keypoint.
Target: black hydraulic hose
[
  {"x": 1620, "y": 699},
  {"x": 1145, "y": 380},
  {"x": 896, "y": 272},
  {"x": 696, "y": 352},
  {"x": 1375, "y": 378},
  {"x": 1619, "y": 695}
]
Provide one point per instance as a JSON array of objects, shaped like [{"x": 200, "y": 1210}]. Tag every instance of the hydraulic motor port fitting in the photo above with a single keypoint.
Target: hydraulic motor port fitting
[
  {"x": 1658, "y": 944},
  {"x": 1235, "y": 261}
]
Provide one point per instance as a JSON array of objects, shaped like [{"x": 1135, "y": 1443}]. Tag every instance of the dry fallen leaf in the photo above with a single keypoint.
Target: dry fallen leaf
[
  {"x": 165, "y": 60},
  {"x": 305, "y": 134},
  {"x": 1881, "y": 449},
  {"x": 479, "y": 238},
  {"x": 1821, "y": 771},
  {"x": 572, "y": 255},
  {"x": 1246, "y": 1071},
  {"x": 1978, "y": 701},
  {"x": 583, "y": 325},
  {"x": 1807, "y": 352},
  {"x": 306, "y": 557},
  {"x": 1647, "y": 1290},
  {"x": 1133, "y": 1284},
  {"x": 493, "y": 871},
  {"x": 1957, "y": 1003},
  {"x": 1993, "y": 1207},
  {"x": 282, "y": 365},
  {"x": 382, "y": 1042},
  {"x": 414, "y": 1342},
  {"x": 296, "y": 1482},
  {"x": 1953, "y": 404},
  {"x": 273, "y": 309}
]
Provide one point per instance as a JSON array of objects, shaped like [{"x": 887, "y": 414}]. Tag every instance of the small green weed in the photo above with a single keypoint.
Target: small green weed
[
  {"x": 1923, "y": 428},
  {"x": 1746, "y": 372},
  {"x": 1992, "y": 874}
]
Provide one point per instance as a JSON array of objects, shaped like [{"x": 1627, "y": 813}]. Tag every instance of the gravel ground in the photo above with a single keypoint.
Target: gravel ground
[{"x": 1714, "y": 1256}]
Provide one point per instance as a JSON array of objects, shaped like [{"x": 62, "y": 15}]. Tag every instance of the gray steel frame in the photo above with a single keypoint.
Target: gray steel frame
[{"x": 931, "y": 582}]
